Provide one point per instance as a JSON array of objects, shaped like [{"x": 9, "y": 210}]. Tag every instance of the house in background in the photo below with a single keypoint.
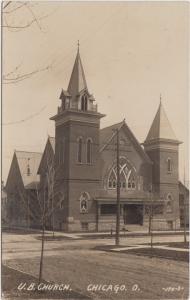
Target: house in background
[
  {"x": 183, "y": 204},
  {"x": 47, "y": 185},
  {"x": 4, "y": 218},
  {"x": 21, "y": 187}
]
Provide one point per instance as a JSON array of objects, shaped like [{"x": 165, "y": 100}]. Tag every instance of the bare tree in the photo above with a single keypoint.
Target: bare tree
[
  {"x": 48, "y": 199},
  {"x": 184, "y": 210},
  {"x": 10, "y": 10},
  {"x": 151, "y": 215},
  {"x": 47, "y": 196}
]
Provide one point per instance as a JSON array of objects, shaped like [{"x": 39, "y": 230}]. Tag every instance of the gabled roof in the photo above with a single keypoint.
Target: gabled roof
[
  {"x": 64, "y": 94},
  {"x": 77, "y": 81},
  {"x": 161, "y": 127},
  {"x": 31, "y": 159},
  {"x": 107, "y": 134},
  {"x": 48, "y": 154}
]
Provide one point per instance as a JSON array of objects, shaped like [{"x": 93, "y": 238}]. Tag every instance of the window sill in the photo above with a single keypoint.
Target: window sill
[
  {"x": 84, "y": 164},
  {"x": 121, "y": 189}
]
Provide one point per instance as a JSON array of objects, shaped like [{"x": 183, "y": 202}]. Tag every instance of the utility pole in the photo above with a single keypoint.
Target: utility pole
[
  {"x": 53, "y": 214},
  {"x": 184, "y": 211},
  {"x": 28, "y": 217},
  {"x": 117, "y": 237},
  {"x": 151, "y": 224}
]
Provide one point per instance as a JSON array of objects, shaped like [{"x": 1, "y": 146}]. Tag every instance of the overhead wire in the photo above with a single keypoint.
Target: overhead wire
[{"x": 26, "y": 119}]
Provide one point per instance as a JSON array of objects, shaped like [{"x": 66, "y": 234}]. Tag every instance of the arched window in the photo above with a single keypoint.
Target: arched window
[
  {"x": 131, "y": 182},
  {"x": 89, "y": 151},
  {"x": 169, "y": 203},
  {"x": 169, "y": 165},
  {"x": 112, "y": 180},
  {"x": 79, "y": 154},
  {"x": 84, "y": 202},
  {"x": 28, "y": 168},
  {"x": 61, "y": 150},
  {"x": 84, "y": 103}
]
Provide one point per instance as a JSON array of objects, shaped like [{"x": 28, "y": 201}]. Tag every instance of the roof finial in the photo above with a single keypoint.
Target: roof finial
[
  {"x": 78, "y": 45},
  {"x": 160, "y": 98}
]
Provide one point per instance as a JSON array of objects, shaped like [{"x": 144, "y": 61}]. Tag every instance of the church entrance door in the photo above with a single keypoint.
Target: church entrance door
[{"x": 133, "y": 214}]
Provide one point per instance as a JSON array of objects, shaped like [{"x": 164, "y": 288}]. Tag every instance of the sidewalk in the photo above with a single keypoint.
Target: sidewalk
[
  {"x": 148, "y": 246},
  {"x": 105, "y": 234}
]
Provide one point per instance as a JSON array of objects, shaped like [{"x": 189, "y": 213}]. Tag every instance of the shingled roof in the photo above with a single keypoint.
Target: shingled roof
[
  {"x": 107, "y": 133},
  {"x": 77, "y": 81},
  {"x": 161, "y": 127}
]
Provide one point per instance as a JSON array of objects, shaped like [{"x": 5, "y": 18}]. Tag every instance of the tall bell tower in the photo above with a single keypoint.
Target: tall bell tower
[
  {"x": 77, "y": 125},
  {"x": 161, "y": 145}
]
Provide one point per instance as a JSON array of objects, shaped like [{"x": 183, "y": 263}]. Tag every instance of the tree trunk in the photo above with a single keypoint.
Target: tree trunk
[{"x": 42, "y": 252}]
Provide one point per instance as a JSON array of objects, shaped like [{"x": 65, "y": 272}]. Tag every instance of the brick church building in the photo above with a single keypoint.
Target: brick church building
[{"x": 84, "y": 158}]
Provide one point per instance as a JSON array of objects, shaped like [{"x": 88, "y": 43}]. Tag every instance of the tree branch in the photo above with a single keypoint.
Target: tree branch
[
  {"x": 20, "y": 27},
  {"x": 13, "y": 10},
  {"x": 8, "y": 3},
  {"x": 19, "y": 78}
]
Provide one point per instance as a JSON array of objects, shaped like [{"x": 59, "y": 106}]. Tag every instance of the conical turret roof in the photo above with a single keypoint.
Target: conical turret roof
[
  {"x": 161, "y": 127},
  {"x": 77, "y": 81}
]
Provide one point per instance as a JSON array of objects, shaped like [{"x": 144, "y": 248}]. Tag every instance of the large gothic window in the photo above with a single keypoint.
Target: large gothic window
[
  {"x": 84, "y": 103},
  {"x": 79, "y": 154},
  {"x": 89, "y": 151},
  {"x": 127, "y": 177}
]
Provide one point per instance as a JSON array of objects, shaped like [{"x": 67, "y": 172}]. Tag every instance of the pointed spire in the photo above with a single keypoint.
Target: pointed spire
[
  {"x": 160, "y": 128},
  {"x": 78, "y": 45},
  {"x": 77, "y": 81}
]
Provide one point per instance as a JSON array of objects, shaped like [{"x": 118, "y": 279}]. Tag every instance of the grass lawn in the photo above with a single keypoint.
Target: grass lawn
[
  {"x": 126, "y": 235},
  {"x": 172, "y": 244},
  {"x": 20, "y": 231},
  {"x": 161, "y": 253},
  {"x": 55, "y": 238},
  {"x": 155, "y": 252},
  {"x": 12, "y": 278},
  {"x": 179, "y": 245}
]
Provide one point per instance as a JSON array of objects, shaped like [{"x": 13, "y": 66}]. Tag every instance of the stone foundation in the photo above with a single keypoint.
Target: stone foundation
[
  {"x": 81, "y": 226},
  {"x": 163, "y": 224}
]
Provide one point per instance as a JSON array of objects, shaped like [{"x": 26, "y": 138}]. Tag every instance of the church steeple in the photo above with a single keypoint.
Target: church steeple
[
  {"x": 77, "y": 81},
  {"x": 77, "y": 97},
  {"x": 161, "y": 128}
]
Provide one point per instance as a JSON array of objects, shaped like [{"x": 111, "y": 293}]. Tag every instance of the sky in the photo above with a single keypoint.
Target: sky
[{"x": 131, "y": 53}]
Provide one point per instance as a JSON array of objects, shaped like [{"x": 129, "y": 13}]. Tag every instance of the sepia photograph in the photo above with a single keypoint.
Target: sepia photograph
[{"x": 95, "y": 150}]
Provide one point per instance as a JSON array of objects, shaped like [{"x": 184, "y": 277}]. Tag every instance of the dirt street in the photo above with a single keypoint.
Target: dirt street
[{"x": 99, "y": 274}]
